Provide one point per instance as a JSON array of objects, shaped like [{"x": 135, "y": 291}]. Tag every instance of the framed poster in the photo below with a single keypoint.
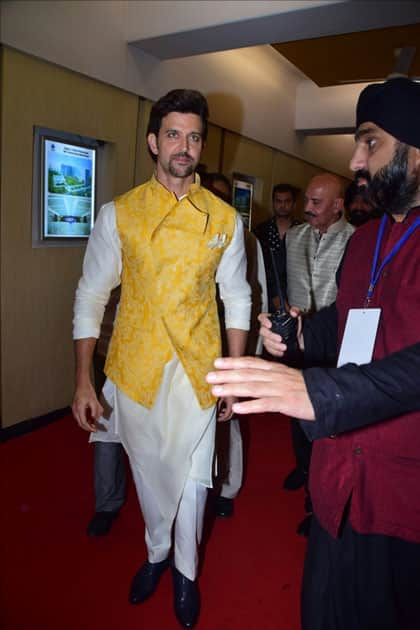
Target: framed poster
[
  {"x": 68, "y": 199},
  {"x": 65, "y": 167},
  {"x": 242, "y": 192}
]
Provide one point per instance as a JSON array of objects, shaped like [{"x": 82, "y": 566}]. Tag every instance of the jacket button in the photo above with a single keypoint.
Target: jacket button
[{"x": 358, "y": 450}]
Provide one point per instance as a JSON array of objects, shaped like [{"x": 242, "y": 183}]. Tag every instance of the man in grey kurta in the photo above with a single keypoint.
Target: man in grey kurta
[
  {"x": 314, "y": 252},
  {"x": 314, "y": 249}
]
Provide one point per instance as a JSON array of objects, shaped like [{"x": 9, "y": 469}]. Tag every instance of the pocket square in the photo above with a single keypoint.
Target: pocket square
[{"x": 218, "y": 240}]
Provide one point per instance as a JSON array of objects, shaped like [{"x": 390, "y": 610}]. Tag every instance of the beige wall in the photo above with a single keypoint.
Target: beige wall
[
  {"x": 213, "y": 150},
  {"x": 37, "y": 285},
  {"x": 269, "y": 167},
  {"x": 144, "y": 164}
]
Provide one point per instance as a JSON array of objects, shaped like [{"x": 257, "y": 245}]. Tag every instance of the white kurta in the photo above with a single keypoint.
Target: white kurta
[
  {"x": 233, "y": 481},
  {"x": 175, "y": 439},
  {"x": 170, "y": 442}
]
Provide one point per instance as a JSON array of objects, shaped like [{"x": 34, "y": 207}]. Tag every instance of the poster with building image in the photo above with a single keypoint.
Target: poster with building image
[
  {"x": 242, "y": 191},
  {"x": 68, "y": 189}
]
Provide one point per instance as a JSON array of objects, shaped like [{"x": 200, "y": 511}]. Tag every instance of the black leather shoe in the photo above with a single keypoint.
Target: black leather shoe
[
  {"x": 186, "y": 599},
  {"x": 146, "y": 580},
  {"x": 223, "y": 507},
  {"x": 101, "y": 523},
  {"x": 294, "y": 480},
  {"x": 304, "y": 527}
]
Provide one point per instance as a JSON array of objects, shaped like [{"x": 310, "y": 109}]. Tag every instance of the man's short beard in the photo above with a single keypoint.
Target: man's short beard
[
  {"x": 185, "y": 171},
  {"x": 393, "y": 189}
]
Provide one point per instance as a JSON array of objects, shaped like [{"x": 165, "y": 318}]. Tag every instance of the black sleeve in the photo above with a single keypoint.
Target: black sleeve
[
  {"x": 353, "y": 396},
  {"x": 320, "y": 337}
]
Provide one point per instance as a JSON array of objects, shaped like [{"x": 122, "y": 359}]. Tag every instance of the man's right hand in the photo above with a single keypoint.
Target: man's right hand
[
  {"x": 273, "y": 342},
  {"x": 86, "y": 407}
]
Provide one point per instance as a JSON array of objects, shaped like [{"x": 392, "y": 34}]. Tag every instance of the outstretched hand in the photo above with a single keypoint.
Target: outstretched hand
[{"x": 272, "y": 386}]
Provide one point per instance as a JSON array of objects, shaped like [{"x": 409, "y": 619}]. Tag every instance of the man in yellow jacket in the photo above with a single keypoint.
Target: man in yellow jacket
[{"x": 168, "y": 242}]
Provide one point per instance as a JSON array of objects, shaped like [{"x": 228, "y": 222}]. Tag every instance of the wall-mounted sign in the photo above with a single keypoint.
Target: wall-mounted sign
[
  {"x": 68, "y": 199},
  {"x": 64, "y": 187},
  {"x": 242, "y": 197}
]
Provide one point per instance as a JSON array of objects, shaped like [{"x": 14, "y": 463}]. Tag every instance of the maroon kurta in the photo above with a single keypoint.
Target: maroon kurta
[{"x": 379, "y": 465}]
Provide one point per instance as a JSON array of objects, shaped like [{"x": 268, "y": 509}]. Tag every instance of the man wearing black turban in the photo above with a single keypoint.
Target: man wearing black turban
[{"x": 362, "y": 569}]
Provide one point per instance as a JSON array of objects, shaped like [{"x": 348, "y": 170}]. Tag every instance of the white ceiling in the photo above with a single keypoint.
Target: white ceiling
[{"x": 276, "y": 22}]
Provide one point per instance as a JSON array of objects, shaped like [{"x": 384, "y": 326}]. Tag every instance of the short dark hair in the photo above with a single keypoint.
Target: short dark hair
[
  {"x": 207, "y": 179},
  {"x": 354, "y": 190},
  {"x": 285, "y": 188},
  {"x": 182, "y": 101}
]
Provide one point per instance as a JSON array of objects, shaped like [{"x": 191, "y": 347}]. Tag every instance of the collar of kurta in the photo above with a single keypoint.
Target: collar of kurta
[
  {"x": 193, "y": 191},
  {"x": 198, "y": 201},
  {"x": 335, "y": 227}
]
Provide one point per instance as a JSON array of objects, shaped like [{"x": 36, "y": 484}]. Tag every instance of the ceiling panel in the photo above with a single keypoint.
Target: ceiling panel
[{"x": 353, "y": 57}]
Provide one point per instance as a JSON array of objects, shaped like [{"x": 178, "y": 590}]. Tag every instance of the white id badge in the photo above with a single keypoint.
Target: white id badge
[{"x": 359, "y": 336}]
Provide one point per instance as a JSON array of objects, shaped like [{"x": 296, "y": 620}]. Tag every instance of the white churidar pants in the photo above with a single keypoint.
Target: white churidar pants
[
  {"x": 233, "y": 482},
  {"x": 171, "y": 449}
]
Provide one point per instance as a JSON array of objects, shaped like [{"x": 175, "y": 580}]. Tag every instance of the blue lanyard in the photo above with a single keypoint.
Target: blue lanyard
[{"x": 375, "y": 273}]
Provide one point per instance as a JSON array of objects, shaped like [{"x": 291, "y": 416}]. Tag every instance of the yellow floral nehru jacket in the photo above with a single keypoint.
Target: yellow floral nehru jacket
[{"x": 170, "y": 253}]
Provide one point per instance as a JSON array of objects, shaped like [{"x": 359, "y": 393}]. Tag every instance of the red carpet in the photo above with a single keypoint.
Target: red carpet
[{"x": 53, "y": 577}]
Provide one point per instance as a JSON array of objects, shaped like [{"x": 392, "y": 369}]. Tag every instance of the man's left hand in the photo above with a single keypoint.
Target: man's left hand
[{"x": 224, "y": 408}]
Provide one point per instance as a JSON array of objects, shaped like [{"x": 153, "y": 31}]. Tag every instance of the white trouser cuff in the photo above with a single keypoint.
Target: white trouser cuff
[{"x": 233, "y": 483}]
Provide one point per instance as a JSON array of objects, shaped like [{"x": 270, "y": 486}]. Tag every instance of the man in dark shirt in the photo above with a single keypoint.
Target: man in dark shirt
[
  {"x": 271, "y": 235},
  {"x": 358, "y": 207},
  {"x": 363, "y": 561}
]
